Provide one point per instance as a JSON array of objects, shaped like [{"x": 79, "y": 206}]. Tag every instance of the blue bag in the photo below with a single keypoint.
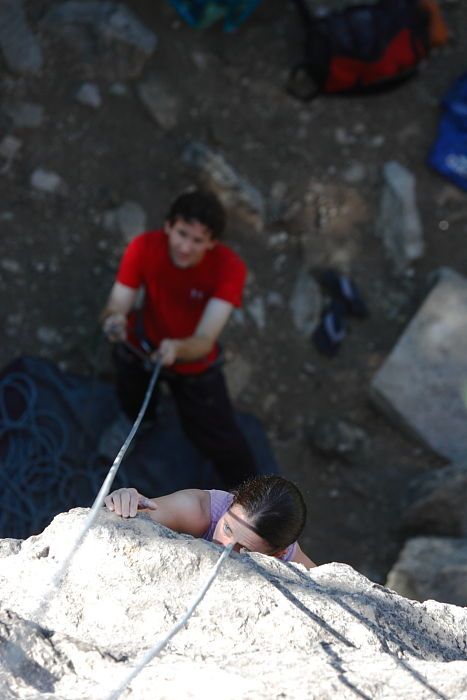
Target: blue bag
[
  {"x": 202, "y": 13},
  {"x": 449, "y": 153}
]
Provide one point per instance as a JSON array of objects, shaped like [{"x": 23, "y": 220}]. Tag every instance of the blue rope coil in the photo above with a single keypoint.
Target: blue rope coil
[{"x": 39, "y": 477}]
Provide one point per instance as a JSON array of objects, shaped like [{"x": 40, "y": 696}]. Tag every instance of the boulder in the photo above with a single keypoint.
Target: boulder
[
  {"x": 432, "y": 568},
  {"x": 437, "y": 502},
  {"x": 420, "y": 384},
  {"x": 265, "y": 629}
]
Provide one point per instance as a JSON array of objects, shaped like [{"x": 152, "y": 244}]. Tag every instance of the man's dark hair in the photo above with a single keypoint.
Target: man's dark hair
[
  {"x": 202, "y": 206},
  {"x": 275, "y": 508}
]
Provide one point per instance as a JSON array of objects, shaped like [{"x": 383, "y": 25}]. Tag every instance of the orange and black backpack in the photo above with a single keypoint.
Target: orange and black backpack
[{"x": 362, "y": 48}]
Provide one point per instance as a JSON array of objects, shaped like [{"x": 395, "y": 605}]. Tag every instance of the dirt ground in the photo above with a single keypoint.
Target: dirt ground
[{"x": 59, "y": 261}]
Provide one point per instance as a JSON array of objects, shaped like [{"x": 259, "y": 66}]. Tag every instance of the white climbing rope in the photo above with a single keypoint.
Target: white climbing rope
[
  {"x": 157, "y": 648},
  {"x": 44, "y": 602}
]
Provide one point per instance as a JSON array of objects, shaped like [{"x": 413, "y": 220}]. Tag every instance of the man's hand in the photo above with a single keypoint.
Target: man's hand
[
  {"x": 167, "y": 352},
  {"x": 126, "y": 502},
  {"x": 114, "y": 327}
]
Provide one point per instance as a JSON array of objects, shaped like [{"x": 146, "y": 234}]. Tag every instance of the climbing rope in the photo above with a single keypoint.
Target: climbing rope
[
  {"x": 34, "y": 473},
  {"x": 33, "y": 463},
  {"x": 157, "y": 648},
  {"x": 99, "y": 501}
]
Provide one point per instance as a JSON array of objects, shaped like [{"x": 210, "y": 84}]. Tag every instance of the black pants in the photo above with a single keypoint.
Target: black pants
[{"x": 204, "y": 408}]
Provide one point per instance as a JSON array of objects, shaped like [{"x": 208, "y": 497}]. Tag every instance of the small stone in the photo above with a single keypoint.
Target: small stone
[
  {"x": 27, "y": 115},
  {"x": 129, "y": 219},
  {"x": 354, "y": 173},
  {"x": 10, "y": 265},
  {"x": 377, "y": 141},
  {"x": 256, "y": 310},
  {"x": 336, "y": 438},
  {"x": 9, "y": 147},
  {"x": 278, "y": 240},
  {"x": 118, "y": 89},
  {"x": 238, "y": 374},
  {"x": 47, "y": 181},
  {"x": 269, "y": 401},
  {"x": 305, "y": 303},
  {"x": 48, "y": 336},
  {"x": 343, "y": 137},
  {"x": 275, "y": 299},
  {"x": 88, "y": 94},
  {"x": 160, "y": 103},
  {"x": 238, "y": 317}
]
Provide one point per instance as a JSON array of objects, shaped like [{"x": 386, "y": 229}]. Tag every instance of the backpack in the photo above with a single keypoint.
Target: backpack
[
  {"x": 449, "y": 152},
  {"x": 363, "y": 48}
]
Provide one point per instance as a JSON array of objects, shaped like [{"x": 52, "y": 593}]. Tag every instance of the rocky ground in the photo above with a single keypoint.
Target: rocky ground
[{"x": 90, "y": 123}]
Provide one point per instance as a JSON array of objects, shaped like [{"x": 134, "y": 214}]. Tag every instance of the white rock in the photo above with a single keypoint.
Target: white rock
[
  {"x": 9, "y": 147},
  {"x": 129, "y": 219},
  {"x": 49, "y": 336},
  {"x": 10, "y": 265},
  {"x": 274, "y": 299},
  {"x": 257, "y": 311},
  {"x": 161, "y": 104},
  {"x": 420, "y": 383},
  {"x": 89, "y": 94},
  {"x": 399, "y": 224},
  {"x": 29, "y": 115},
  {"x": 235, "y": 192},
  {"x": 47, "y": 181},
  {"x": 322, "y": 635},
  {"x": 305, "y": 303},
  {"x": 118, "y": 89},
  {"x": 238, "y": 374},
  {"x": 354, "y": 173}
]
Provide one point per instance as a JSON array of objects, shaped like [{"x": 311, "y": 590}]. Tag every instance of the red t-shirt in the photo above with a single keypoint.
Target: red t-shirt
[{"x": 175, "y": 298}]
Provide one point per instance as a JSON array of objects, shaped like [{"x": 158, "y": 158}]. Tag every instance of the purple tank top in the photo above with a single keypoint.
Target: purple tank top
[{"x": 220, "y": 504}]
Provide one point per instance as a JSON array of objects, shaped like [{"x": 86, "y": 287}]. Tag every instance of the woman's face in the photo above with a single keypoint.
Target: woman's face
[{"x": 235, "y": 528}]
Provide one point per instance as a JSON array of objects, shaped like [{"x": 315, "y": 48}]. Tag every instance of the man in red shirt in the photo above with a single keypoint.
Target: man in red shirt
[{"x": 191, "y": 284}]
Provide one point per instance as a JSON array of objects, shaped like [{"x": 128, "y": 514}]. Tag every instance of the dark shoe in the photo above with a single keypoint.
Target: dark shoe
[
  {"x": 345, "y": 290},
  {"x": 331, "y": 331}
]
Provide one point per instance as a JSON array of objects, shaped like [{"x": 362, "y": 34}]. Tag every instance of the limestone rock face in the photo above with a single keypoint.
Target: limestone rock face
[
  {"x": 264, "y": 630},
  {"x": 422, "y": 382}
]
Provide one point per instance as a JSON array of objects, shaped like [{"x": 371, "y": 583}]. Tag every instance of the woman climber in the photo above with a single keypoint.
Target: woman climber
[{"x": 265, "y": 514}]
